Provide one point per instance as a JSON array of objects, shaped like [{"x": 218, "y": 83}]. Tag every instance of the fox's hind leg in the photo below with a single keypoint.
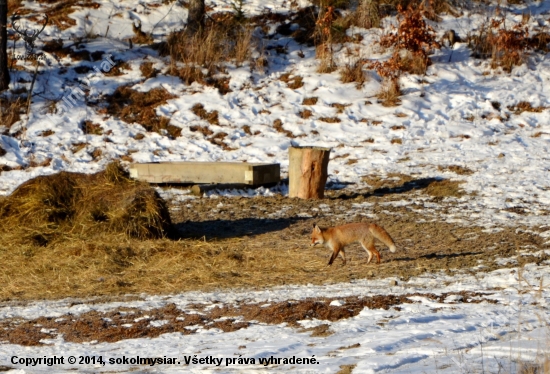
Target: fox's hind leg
[
  {"x": 368, "y": 245},
  {"x": 343, "y": 255}
]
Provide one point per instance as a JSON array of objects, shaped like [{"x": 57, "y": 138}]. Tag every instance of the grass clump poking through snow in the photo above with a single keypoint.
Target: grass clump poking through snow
[
  {"x": 389, "y": 93},
  {"x": 133, "y": 106},
  {"x": 223, "y": 40},
  {"x": 506, "y": 46},
  {"x": 10, "y": 112},
  {"x": 65, "y": 205},
  {"x": 353, "y": 72}
]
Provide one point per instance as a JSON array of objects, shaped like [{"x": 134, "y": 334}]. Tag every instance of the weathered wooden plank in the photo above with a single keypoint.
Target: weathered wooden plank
[{"x": 253, "y": 174}]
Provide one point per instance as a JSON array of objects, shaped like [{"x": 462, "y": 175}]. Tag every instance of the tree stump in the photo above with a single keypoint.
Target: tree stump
[
  {"x": 195, "y": 17},
  {"x": 307, "y": 172}
]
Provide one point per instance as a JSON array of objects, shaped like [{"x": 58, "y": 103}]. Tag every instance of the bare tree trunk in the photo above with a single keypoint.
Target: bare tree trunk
[
  {"x": 4, "y": 72},
  {"x": 307, "y": 172},
  {"x": 195, "y": 19}
]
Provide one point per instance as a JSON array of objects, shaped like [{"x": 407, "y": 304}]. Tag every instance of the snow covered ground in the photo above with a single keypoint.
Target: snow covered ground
[
  {"x": 446, "y": 118},
  {"x": 504, "y": 329}
]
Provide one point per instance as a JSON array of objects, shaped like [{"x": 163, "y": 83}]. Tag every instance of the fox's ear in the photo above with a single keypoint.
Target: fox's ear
[{"x": 316, "y": 228}]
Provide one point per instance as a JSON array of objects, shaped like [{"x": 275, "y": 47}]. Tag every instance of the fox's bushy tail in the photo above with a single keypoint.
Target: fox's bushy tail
[{"x": 382, "y": 235}]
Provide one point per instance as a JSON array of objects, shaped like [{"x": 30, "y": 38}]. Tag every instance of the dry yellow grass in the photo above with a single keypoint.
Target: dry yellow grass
[{"x": 113, "y": 264}]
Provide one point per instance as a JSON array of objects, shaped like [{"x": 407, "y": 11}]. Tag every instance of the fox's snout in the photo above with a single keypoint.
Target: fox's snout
[{"x": 314, "y": 242}]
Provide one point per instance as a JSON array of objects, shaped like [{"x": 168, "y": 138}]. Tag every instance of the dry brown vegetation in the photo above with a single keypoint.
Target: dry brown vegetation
[
  {"x": 133, "y": 106},
  {"x": 305, "y": 114},
  {"x": 292, "y": 81},
  {"x": 237, "y": 246},
  {"x": 506, "y": 46},
  {"x": 132, "y": 323},
  {"x": 147, "y": 70},
  {"x": 13, "y": 6},
  {"x": 140, "y": 37},
  {"x": 71, "y": 205},
  {"x": 278, "y": 125},
  {"x": 223, "y": 41},
  {"x": 457, "y": 169},
  {"x": 412, "y": 42},
  {"x": 59, "y": 12},
  {"x": 91, "y": 128},
  {"x": 389, "y": 93},
  {"x": 330, "y": 119},
  {"x": 211, "y": 117},
  {"x": 367, "y": 14},
  {"x": 310, "y": 101},
  {"x": 353, "y": 72},
  {"x": 10, "y": 112},
  {"x": 524, "y": 106},
  {"x": 339, "y": 107}
]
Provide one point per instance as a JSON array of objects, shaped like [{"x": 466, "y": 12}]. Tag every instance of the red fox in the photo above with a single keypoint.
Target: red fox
[{"x": 336, "y": 238}]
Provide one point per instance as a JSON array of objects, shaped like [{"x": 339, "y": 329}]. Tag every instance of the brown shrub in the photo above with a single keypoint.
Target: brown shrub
[
  {"x": 414, "y": 36},
  {"x": 339, "y": 107},
  {"x": 505, "y": 46},
  {"x": 367, "y": 14},
  {"x": 59, "y": 14},
  {"x": 202, "y": 129}
]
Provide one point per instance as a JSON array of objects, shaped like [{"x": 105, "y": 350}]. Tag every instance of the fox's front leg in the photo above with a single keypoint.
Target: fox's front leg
[{"x": 335, "y": 251}]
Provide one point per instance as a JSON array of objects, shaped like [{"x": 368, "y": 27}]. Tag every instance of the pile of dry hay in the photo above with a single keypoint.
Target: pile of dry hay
[{"x": 74, "y": 205}]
